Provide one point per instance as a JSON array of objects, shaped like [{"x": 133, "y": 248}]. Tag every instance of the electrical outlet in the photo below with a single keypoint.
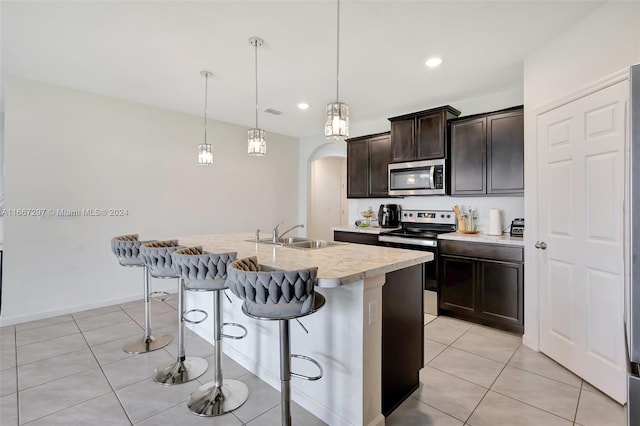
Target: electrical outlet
[{"x": 373, "y": 311}]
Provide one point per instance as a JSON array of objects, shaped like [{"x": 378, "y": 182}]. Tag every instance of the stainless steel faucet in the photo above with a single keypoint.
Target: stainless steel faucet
[{"x": 276, "y": 232}]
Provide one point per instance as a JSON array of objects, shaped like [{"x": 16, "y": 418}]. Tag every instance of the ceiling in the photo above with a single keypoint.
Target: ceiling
[{"x": 152, "y": 52}]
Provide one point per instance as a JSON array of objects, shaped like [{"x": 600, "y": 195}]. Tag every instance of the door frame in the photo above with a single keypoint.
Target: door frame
[{"x": 531, "y": 337}]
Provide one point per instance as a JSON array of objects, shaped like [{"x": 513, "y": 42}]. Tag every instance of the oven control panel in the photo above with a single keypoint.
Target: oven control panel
[{"x": 446, "y": 217}]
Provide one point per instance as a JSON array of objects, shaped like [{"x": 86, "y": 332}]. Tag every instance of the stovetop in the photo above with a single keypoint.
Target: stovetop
[{"x": 425, "y": 224}]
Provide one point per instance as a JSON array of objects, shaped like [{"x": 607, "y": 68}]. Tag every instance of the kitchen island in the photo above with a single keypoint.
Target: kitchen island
[{"x": 345, "y": 336}]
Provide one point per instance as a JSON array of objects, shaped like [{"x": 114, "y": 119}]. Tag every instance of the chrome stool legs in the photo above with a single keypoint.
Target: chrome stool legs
[
  {"x": 286, "y": 373},
  {"x": 219, "y": 396},
  {"x": 148, "y": 343},
  {"x": 183, "y": 369}
]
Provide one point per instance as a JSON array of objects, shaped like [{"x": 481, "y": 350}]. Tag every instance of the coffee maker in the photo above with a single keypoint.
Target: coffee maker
[{"x": 389, "y": 216}]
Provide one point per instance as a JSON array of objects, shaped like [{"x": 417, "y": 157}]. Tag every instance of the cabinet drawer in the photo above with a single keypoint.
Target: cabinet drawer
[
  {"x": 482, "y": 251},
  {"x": 356, "y": 237}
]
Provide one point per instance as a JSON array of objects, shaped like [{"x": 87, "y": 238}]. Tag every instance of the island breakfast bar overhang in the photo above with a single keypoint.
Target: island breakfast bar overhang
[{"x": 345, "y": 336}]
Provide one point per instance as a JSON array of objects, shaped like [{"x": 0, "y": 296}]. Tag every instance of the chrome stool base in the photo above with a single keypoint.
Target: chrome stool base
[
  {"x": 147, "y": 344},
  {"x": 180, "y": 371},
  {"x": 211, "y": 400}
]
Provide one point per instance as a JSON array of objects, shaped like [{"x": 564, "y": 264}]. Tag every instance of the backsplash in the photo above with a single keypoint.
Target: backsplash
[{"x": 511, "y": 207}]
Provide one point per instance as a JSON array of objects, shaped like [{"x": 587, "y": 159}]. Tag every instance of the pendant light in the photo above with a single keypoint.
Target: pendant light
[
  {"x": 337, "y": 124},
  {"x": 257, "y": 138},
  {"x": 205, "y": 150}
]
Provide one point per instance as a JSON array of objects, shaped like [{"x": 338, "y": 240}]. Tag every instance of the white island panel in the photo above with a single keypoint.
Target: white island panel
[{"x": 341, "y": 336}]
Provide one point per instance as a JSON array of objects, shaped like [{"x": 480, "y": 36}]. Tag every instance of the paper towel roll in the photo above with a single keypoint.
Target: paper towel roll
[{"x": 495, "y": 222}]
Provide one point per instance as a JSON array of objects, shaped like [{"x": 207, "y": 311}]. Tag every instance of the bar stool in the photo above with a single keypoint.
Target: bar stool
[
  {"x": 127, "y": 250},
  {"x": 278, "y": 296},
  {"x": 202, "y": 271},
  {"x": 157, "y": 257}
]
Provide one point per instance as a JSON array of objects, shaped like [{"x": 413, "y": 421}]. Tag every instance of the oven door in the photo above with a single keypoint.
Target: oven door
[{"x": 430, "y": 272}]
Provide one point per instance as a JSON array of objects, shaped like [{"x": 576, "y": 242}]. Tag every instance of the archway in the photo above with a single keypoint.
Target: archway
[{"x": 327, "y": 203}]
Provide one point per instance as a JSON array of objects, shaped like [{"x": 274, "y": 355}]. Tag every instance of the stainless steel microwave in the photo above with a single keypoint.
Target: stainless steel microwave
[{"x": 418, "y": 178}]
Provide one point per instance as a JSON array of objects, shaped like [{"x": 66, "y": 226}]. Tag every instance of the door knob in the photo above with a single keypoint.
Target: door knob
[{"x": 541, "y": 245}]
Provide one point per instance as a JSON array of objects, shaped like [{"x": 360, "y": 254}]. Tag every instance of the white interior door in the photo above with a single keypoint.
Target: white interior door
[{"x": 581, "y": 172}]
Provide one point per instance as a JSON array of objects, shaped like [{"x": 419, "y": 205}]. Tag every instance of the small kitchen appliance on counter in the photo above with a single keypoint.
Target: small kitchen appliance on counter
[
  {"x": 517, "y": 227},
  {"x": 389, "y": 216},
  {"x": 495, "y": 222}
]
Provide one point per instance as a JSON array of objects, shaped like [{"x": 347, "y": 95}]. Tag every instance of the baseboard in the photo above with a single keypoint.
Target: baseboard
[
  {"x": 68, "y": 310},
  {"x": 377, "y": 421}
]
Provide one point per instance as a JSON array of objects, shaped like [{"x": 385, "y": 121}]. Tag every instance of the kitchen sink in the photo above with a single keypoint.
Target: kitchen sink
[
  {"x": 284, "y": 241},
  {"x": 312, "y": 244},
  {"x": 298, "y": 242},
  {"x": 292, "y": 240}
]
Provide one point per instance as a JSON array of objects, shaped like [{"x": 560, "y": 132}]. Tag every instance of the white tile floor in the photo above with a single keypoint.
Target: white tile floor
[
  {"x": 71, "y": 370},
  {"x": 480, "y": 376}
]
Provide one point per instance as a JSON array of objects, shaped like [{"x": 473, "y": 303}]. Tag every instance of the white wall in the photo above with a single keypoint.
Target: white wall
[
  {"x": 326, "y": 196},
  {"x": 66, "y": 149},
  {"x": 605, "y": 42}
]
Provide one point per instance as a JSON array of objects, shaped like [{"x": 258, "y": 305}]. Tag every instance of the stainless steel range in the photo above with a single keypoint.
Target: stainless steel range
[{"x": 420, "y": 229}]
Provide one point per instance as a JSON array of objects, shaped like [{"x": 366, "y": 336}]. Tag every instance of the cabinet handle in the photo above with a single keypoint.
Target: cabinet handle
[{"x": 541, "y": 245}]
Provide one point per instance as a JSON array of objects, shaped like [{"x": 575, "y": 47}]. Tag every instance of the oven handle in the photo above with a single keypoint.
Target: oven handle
[{"x": 407, "y": 241}]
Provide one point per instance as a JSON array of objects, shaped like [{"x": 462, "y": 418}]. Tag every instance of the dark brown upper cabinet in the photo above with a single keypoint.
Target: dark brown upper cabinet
[
  {"x": 421, "y": 135},
  {"x": 487, "y": 153},
  {"x": 367, "y": 161}
]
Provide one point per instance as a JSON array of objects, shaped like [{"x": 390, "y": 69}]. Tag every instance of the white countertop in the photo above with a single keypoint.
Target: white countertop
[
  {"x": 365, "y": 230},
  {"x": 483, "y": 238},
  {"x": 340, "y": 264}
]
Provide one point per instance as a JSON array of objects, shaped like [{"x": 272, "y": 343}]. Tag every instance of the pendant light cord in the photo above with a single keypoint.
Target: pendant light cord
[
  {"x": 256, "y": 61},
  {"x": 338, "y": 57},
  {"x": 206, "y": 92}
]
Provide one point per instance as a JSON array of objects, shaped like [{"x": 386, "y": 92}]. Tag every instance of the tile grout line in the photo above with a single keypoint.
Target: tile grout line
[
  {"x": 435, "y": 408},
  {"x": 575, "y": 415},
  {"x": 105, "y": 376},
  {"x": 545, "y": 377},
  {"x": 515, "y": 399},
  {"x": 492, "y": 383},
  {"x": 15, "y": 348}
]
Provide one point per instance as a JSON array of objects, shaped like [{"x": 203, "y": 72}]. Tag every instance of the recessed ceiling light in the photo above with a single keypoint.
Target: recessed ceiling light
[
  {"x": 303, "y": 105},
  {"x": 433, "y": 62}
]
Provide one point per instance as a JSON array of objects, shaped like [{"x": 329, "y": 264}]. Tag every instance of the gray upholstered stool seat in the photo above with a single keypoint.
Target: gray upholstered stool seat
[
  {"x": 202, "y": 271},
  {"x": 157, "y": 257},
  {"x": 282, "y": 296},
  {"x": 127, "y": 250}
]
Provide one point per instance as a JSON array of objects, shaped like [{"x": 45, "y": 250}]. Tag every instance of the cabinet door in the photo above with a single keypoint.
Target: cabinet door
[
  {"x": 468, "y": 157},
  {"x": 357, "y": 168},
  {"x": 505, "y": 153},
  {"x": 402, "y": 335},
  {"x": 402, "y": 140},
  {"x": 379, "y": 158},
  {"x": 500, "y": 298},
  {"x": 457, "y": 286},
  {"x": 430, "y": 136}
]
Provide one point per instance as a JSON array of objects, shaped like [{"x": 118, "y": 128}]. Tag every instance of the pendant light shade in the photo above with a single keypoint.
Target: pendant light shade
[
  {"x": 337, "y": 123},
  {"x": 337, "y": 126},
  {"x": 257, "y": 138},
  {"x": 205, "y": 150}
]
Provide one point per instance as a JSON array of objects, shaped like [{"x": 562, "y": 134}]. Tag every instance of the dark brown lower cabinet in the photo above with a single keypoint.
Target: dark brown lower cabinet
[
  {"x": 483, "y": 283},
  {"x": 458, "y": 285},
  {"x": 402, "y": 336},
  {"x": 402, "y": 327},
  {"x": 356, "y": 237}
]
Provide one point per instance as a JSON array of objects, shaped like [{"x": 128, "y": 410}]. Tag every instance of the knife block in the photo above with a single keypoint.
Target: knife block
[{"x": 462, "y": 225}]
